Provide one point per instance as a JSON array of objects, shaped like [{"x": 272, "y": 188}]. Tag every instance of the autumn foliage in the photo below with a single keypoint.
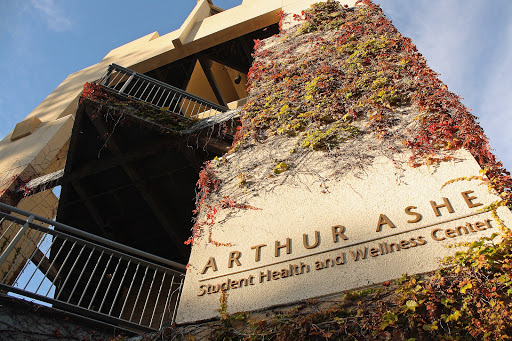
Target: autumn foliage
[
  {"x": 355, "y": 75},
  {"x": 346, "y": 72}
]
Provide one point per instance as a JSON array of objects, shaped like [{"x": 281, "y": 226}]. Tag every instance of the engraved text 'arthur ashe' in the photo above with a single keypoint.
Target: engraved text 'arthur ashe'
[{"x": 338, "y": 233}]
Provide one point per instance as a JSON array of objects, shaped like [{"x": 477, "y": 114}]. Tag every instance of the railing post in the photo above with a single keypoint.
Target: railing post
[
  {"x": 127, "y": 82},
  {"x": 77, "y": 270},
  {"x": 15, "y": 240},
  {"x": 105, "y": 80},
  {"x": 159, "y": 86}
]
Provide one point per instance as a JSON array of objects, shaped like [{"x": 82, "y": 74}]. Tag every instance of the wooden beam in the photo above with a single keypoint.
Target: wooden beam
[
  {"x": 42, "y": 183},
  {"x": 45, "y": 265},
  {"x": 237, "y": 67},
  {"x": 188, "y": 73},
  {"x": 91, "y": 208},
  {"x": 101, "y": 165},
  {"x": 157, "y": 209},
  {"x": 206, "y": 66}
]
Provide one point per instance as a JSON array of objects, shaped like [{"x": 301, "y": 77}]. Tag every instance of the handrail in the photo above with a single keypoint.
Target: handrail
[
  {"x": 161, "y": 95},
  {"x": 89, "y": 275},
  {"x": 96, "y": 238}
]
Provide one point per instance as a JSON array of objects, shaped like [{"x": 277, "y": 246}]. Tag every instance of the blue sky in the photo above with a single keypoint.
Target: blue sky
[{"x": 469, "y": 42}]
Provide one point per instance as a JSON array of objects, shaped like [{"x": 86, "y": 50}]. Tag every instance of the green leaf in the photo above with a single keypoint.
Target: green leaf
[
  {"x": 447, "y": 301},
  {"x": 466, "y": 287},
  {"x": 454, "y": 316},
  {"x": 388, "y": 318},
  {"x": 411, "y": 305},
  {"x": 432, "y": 326}
]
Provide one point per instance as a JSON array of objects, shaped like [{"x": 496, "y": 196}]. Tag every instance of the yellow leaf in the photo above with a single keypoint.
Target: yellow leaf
[{"x": 466, "y": 287}]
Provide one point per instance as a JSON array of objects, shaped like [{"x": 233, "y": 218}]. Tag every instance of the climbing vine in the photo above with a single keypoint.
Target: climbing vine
[
  {"x": 340, "y": 74},
  {"x": 208, "y": 184},
  {"x": 469, "y": 299},
  {"x": 346, "y": 72},
  {"x": 162, "y": 117},
  {"x": 343, "y": 77}
]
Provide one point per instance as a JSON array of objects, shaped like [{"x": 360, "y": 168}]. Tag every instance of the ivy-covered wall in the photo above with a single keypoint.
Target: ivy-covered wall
[{"x": 342, "y": 85}]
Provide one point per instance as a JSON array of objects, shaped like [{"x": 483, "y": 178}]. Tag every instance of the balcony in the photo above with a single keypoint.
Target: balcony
[
  {"x": 85, "y": 274},
  {"x": 159, "y": 95},
  {"x": 128, "y": 185}
]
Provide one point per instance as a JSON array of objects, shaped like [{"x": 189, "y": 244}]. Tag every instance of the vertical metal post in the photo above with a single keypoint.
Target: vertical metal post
[
  {"x": 165, "y": 100},
  {"x": 137, "y": 91},
  {"x": 147, "y": 297},
  {"x": 160, "y": 98},
  {"x": 169, "y": 294},
  {"x": 15, "y": 240},
  {"x": 157, "y": 298},
  {"x": 109, "y": 284},
  {"x": 6, "y": 230},
  {"x": 20, "y": 255},
  {"x": 170, "y": 103},
  {"x": 154, "y": 96},
  {"x": 177, "y": 301},
  {"x": 126, "y": 83},
  {"x": 189, "y": 100},
  {"x": 120, "y": 286},
  {"x": 51, "y": 264},
  {"x": 129, "y": 289},
  {"x": 113, "y": 83},
  {"x": 131, "y": 92},
  {"x": 91, "y": 277},
  {"x": 144, "y": 91},
  {"x": 40, "y": 262},
  {"x": 177, "y": 103},
  {"x": 61, "y": 267},
  {"x": 69, "y": 274},
  {"x": 99, "y": 283},
  {"x": 138, "y": 294},
  {"x": 149, "y": 93},
  {"x": 81, "y": 274}
]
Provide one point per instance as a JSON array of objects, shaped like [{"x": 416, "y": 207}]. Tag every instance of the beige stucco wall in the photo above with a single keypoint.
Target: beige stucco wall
[
  {"x": 354, "y": 201},
  {"x": 43, "y": 204},
  {"x": 198, "y": 32}
]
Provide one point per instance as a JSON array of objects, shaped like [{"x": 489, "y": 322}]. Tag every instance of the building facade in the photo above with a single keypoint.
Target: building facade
[{"x": 341, "y": 171}]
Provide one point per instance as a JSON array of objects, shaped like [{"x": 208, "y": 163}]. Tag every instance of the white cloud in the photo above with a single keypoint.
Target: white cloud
[
  {"x": 469, "y": 43},
  {"x": 443, "y": 30},
  {"x": 496, "y": 105},
  {"x": 54, "y": 16}
]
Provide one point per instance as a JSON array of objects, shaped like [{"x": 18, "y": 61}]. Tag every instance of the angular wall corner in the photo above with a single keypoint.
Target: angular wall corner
[{"x": 25, "y": 128}]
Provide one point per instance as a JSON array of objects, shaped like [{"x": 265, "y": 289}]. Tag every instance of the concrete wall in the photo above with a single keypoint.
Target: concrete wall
[
  {"x": 356, "y": 218},
  {"x": 33, "y": 155},
  {"x": 22, "y": 320}
]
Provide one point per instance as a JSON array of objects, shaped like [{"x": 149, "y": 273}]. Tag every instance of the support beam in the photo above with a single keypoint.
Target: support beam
[
  {"x": 138, "y": 181},
  {"x": 188, "y": 73},
  {"x": 114, "y": 190},
  {"x": 91, "y": 208},
  {"x": 101, "y": 165},
  {"x": 42, "y": 183},
  {"x": 45, "y": 265},
  {"x": 237, "y": 67},
  {"x": 206, "y": 66}
]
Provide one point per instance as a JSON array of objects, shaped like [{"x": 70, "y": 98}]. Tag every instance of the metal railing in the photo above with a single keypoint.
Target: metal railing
[
  {"x": 158, "y": 94},
  {"x": 85, "y": 274}
]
